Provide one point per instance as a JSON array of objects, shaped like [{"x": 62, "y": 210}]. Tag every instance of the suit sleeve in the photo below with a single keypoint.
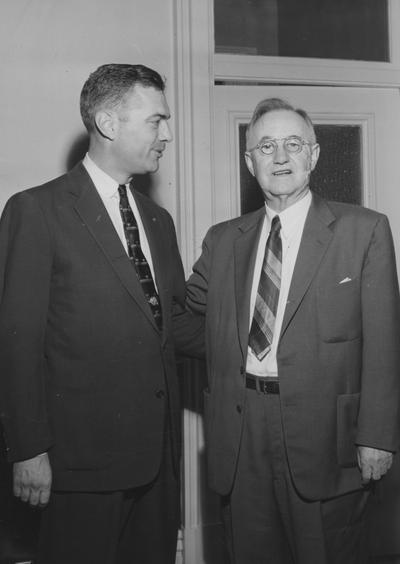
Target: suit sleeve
[
  {"x": 197, "y": 285},
  {"x": 187, "y": 328},
  {"x": 25, "y": 263},
  {"x": 379, "y": 415}
]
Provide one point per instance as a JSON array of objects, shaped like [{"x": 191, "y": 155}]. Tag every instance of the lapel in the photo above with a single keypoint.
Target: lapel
[
  {"x": 245, "y": 252},
  {"x": 92, "y": 212},
  {"x": 315, "y": 241}
]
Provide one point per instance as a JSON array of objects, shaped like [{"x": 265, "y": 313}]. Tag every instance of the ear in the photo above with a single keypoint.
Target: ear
[
  {"x": 106, "y": 124},
  {"x": 249, "y": 163},
  {"x": 314, "y": 156}
]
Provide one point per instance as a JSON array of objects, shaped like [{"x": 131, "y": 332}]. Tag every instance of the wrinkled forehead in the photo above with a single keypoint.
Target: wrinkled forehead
[{"x": 278, "y": 124}]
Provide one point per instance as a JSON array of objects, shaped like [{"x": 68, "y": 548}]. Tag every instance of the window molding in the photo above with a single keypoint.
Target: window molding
[
  {"x": 194, "y": 71},
  {"x": 292, "y": 70}
]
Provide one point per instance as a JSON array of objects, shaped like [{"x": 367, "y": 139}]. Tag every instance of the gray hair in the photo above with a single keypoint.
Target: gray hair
[{"x": 272, "y": 104}]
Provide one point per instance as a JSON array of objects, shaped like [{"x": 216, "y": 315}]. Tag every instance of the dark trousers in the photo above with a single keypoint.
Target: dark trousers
[
  {"x": 267, "y": 522},
  {"x": 137, "y": 526}
]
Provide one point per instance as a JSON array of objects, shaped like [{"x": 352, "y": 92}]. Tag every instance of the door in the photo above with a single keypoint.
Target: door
[{"x": 357, "y": 116}]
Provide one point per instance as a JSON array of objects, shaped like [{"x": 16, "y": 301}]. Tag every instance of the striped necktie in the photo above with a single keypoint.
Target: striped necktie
[
  {"x": 262, "y": 327},
  {"x": 137, "y": 257}
]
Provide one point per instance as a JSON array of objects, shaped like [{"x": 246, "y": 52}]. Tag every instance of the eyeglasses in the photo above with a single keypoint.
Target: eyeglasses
[{"x": 291, "y": 144}]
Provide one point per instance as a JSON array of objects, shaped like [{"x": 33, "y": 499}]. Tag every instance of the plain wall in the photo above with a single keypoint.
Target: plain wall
[{"x": 47, "y": 50}]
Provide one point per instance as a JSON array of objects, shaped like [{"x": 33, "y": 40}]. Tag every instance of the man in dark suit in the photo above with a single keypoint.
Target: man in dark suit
[
  {"x": 302, "y": 335},
  {"x": 91, "y": 305}
]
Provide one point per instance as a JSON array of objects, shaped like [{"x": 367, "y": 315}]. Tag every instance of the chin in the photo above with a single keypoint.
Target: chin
[
  {"x": 282, "y": 190},
  {"x": 148, "y": 169},
  {"x": 154, "y": 166}
]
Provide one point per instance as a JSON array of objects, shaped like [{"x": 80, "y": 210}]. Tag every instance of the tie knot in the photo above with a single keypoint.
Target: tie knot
[
  {"x": 275, "y": 224},
  {"x": 122, "y": 190}
]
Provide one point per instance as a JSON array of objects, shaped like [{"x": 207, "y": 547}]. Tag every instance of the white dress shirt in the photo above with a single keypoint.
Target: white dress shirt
[
  {"x": 107, "y": 188},
  {"x": 292, "y": 224}
]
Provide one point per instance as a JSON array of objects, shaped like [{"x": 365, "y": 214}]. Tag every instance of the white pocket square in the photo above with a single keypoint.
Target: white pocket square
[{"x": 347, "y": 279}]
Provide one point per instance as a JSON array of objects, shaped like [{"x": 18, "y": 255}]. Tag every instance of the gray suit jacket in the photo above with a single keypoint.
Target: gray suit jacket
[{"x": 339, "y": 350}]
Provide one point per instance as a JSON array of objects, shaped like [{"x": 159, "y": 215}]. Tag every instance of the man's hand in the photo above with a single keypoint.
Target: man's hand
[
  {"x": 32, "y": 480},
  {"x": 373, "y": 463}
]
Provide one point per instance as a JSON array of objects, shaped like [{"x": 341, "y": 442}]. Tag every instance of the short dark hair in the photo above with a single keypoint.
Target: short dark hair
[
  {"x": 271, "y": 104},
  {"x": 108, "y": 85}
]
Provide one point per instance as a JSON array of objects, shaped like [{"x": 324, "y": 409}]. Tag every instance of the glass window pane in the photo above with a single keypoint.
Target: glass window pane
[
  {"x": 330, "y": 29},
  {"x": 338, "y": 175}
]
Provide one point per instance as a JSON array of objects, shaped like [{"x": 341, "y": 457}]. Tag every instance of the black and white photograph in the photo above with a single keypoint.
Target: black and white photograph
[{"x": 199, "y": 292}]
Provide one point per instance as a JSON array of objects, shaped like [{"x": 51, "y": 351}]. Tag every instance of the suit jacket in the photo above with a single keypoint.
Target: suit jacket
[
  {"x": 338, "y": 355},
  {"x": 85, "y": 373}
]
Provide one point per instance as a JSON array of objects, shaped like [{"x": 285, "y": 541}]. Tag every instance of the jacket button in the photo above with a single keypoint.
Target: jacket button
[
  {"x": 160, "y": 394},
  {"x": 242, "y": 370},
  {"x": 239, "y": 408}
]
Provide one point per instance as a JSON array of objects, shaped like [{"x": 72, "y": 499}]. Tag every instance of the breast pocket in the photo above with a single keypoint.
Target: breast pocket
[{"x": 339, "y": 311}]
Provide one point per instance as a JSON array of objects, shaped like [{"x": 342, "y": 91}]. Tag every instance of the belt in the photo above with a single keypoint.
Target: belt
[{"x": 261, "y": 384}]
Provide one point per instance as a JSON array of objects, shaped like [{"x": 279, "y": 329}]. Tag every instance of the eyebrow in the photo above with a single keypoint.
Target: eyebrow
[
  {"x": 269, "y": 138},
  {"x": 161, "y": 116}
]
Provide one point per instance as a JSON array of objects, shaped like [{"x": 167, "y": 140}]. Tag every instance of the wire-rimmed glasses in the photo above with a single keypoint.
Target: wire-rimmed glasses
[{"x": 292, "y": 145}]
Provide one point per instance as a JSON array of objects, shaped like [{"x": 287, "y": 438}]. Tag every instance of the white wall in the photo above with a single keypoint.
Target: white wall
[{"x": 47, "y": 50}]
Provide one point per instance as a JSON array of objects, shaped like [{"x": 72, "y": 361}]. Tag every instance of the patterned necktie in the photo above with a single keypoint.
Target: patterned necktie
[
  {"x": 137, "y": 257},
  {"x": 262, "y": 327}
]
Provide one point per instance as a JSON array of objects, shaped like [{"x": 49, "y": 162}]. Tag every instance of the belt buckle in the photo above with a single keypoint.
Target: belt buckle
[
  {"x": 263, "y": 386},
  {"x": 268, "y": 387}
]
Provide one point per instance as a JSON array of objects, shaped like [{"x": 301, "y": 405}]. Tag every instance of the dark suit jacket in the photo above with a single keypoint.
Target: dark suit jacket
[
  {"x": 339, "y": 351},
  {"x": 85, "y": 373}
]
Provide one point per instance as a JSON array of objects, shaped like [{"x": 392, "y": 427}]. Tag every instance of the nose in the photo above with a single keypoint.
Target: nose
[
  {"x": 280, "y": 155},
  {"x": 165, "y": 131}
]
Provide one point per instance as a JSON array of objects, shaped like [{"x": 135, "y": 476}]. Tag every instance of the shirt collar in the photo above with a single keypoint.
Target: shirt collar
[
  {"x": 106, "y": 186},
  {"x": 293, "y": 216}
]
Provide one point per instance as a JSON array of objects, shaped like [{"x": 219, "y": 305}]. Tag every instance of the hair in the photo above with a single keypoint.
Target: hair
[
  {"x": 272, "y": 104},
  {"x": 107, "y": 86}
]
